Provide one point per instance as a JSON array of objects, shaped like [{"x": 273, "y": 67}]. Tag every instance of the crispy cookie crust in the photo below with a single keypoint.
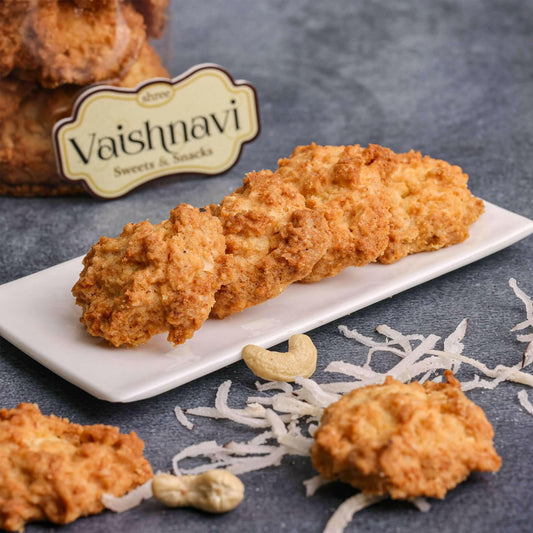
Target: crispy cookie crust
[
  {"x": 431, "y": 206},
  {"x": 273, "y": 239},
  {"x": 57, "y": 471},
  {"x": 345, "y": 185},
  {"x": 153, "y": 278},
  {"x": 405, "y": 440}
]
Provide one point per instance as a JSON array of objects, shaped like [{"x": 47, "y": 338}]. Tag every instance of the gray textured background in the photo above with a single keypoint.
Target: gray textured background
[{"x": 452, "y": 79}]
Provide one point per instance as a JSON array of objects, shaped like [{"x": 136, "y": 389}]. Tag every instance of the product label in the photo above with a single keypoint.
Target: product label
[{"x": 118, "y": 139}]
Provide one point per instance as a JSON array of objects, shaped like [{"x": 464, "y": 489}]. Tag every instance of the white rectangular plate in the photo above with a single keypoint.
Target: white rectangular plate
[{"x": 38, "y": 315}]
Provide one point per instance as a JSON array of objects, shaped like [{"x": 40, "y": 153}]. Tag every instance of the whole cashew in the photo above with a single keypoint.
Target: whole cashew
[
  {"x": 300, "y": 360},
  {"x": 214, "y": 491}
]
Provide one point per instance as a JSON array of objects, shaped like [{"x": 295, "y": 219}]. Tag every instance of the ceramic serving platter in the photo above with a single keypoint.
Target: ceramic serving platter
[{"x": 38, "y": 315}]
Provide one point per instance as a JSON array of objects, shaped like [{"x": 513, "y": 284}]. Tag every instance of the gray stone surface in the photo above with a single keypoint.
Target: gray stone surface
[{"x": 452, "y": 79}]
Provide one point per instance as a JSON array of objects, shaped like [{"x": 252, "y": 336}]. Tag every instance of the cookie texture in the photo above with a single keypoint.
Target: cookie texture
[
  {"x": 380, "y": 205},
  {"x": 345, "y": 185},
  {"x": 430, "y": 204},
  {"x": 272, "y": 238},
  {"x": 153, "y": 279},
  {"x": 404, "y": 440},
  {"x": 57, "y": 471}
]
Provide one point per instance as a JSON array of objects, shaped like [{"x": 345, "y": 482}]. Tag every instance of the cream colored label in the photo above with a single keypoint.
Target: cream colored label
[{"x": 118, "y": 139}]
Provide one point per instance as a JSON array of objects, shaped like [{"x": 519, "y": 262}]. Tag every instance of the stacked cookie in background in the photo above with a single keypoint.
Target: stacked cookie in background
[{"x": 50, "y": 50}]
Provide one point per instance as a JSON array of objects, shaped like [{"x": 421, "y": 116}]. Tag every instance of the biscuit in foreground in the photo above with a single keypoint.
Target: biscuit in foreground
[
  {"x": 153, "y": 278},
  {"x": 405, "y": 440},
  {"x": 273, "y": 239},
  {"x": 57, "y": 471}
]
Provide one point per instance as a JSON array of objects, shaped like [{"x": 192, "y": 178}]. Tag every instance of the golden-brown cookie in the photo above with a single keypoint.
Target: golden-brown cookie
[
  {"x": 405, "y": 440},
  {"x": 55, "y": 42},
  {"x": 57, "y": 471},
  {"x": 153, "y": 278},
  {"x": 345, "y": 184},
  {"x": 431, "y": 206},
  {"x": 273, "y": 238},
  {"x": 381, "y": 206},
  {"x": 27, "y": 116}
]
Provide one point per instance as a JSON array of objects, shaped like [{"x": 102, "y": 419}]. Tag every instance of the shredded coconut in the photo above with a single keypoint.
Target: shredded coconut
[
  {"x": 314, "y": 483},
  {"x": 527, "y": 358},
  {"x": 344, "y": 513},
  {"x": 421, "y": 504},
  {"x": 528, "y": 302},
  {"x": 524, "y": 401},
  {"x": 273, "y": 385},
  {"x": 278, "y": 427},
  {"x": 251, "y": 418},
  {"x": 182, "y": 418},
  {"x": 129, "y": 500}
]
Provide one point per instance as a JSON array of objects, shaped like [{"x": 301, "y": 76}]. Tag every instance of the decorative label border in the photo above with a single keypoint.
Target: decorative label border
[{"x": 92, "y": 94}]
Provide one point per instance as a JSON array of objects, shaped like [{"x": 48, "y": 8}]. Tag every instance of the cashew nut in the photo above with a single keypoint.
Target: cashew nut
[
  {"x": 300, "y": 360},
  {"x": 214, "y": 491}
]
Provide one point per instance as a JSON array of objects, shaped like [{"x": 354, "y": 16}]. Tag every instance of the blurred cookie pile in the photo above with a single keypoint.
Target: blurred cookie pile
[{"x": 49, "y": 51}]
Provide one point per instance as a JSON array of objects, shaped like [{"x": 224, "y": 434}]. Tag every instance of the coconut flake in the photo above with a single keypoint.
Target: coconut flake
[
  {"x": 344, "y": 513},
  {"x": 251, "y": 464},
  {"x": 314, "y": 483},
  {"x": 527, "y": 357},
  {"x": 313, "y": 393},
  {"x": 247, "y": 448},
  {"x": 311, "y": 429},
  {"x": 469, "y": 385},
  {"x": 262, "y": 438},
  {"x": 453, "y": 344},
  {"x": 182, "y": 418},
  {"x": 511, "y": 373},
  {"x": 287, "y": 404},
  {"x": 428, "y": 365},
  {"x": 426, "y": 376},
  {"x": 398, "y": 338},
  {"x": 221, "y": 403},
  {"x": 528, "y": 302},
  {"x": 355, "y": 335},
  {"x": 205, "y": 448},
  {"x": 237, "y": 458},
  {"x": 208, "y": 412},
  {"x": 421, "y": 504},
  {"x": 278, "y": 427},
  {"x": 130, "y": 500},
  {"x": 524, "y": 401},
  {"x": 342, "y": 387},
  {"x": 403, "y": 370},
  {"x": 263, "y": 400},
  {"x": 357, "y": 372},
  {"x": 294, "y": 442},
  {"x": 273, "y": 385}
]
